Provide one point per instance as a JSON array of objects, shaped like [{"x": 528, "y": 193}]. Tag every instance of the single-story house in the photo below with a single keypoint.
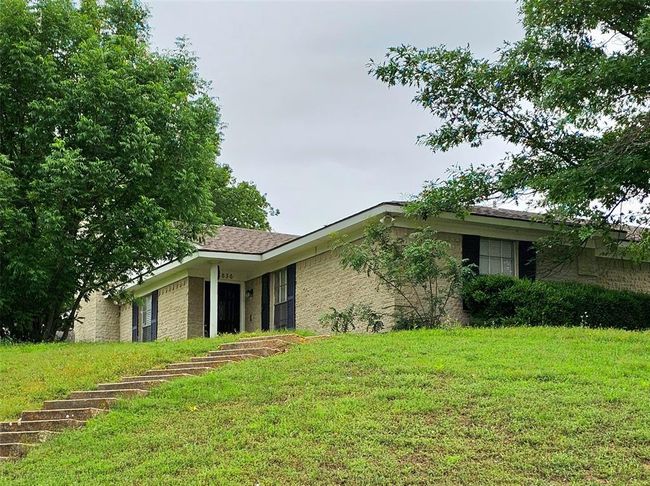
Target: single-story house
[{"x": 249, "y": 280}]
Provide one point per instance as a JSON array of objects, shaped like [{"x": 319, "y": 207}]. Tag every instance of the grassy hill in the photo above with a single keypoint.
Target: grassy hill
[
  {"x": 469, "y": 406},
  {"x": 32, "y": 373}
]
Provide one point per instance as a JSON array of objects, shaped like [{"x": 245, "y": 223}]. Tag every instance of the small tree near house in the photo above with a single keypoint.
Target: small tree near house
[
  {"x": 418, "y": 269},
  {"x": 347, "y": 319}
]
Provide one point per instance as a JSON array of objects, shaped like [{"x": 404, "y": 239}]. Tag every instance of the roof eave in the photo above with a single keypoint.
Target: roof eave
[{"x": 322, "y": 233}]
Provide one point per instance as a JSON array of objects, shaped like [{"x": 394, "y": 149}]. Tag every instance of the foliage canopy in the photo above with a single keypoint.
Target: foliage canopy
[
  {"x": 107, "y": 158},
  {"x": 571, "y": 97}
]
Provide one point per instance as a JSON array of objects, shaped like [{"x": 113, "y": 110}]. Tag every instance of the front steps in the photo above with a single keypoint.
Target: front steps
[
  {"x": 159, "y": 378},
  {"x": 220, "y": 359},
  {"x": 195, "y": 370},
  {"x": 81, "y": 414},
  {"x": 35, "y": 426},
  {"x": 8, "y": 451},
  {"x": 129, "y": 385},
  {"x": 53, "y": 425},
  {"x": 79, "y": 403},
  {"x": 256, "y": 344},
  {"x": 266, "y": 351},
  {"x": 129, "y": 392},
  {"x": 209, "y": 364}
]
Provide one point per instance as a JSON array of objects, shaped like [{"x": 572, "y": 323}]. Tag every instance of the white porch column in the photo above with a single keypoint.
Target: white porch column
[{"x": 214, "y": 299}]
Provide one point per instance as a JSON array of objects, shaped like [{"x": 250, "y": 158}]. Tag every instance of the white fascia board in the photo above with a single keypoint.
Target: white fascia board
[
  {"x": 207, "y": 254},
  {"x": 494, "y": 220},
  {"x": 223, "y": 255},
  {"x": 164, "y": 268},
  {"x": 333, "y": 228}
]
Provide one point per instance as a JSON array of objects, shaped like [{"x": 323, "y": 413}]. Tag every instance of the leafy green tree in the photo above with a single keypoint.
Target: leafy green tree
[
  {"x": 240, "y": 203},
  {"x": 418, "y": 269},
  {"x": 107, "y": 158},
  {"x": 572, "y": 97}
]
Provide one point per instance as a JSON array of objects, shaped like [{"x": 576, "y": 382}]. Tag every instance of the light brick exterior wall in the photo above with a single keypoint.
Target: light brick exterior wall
[
  {"x": 195, "y": 292},
  {"x": 321, "y": 283},
  {"x": 173, "y": 310},
  {"x": 180, "y": 311},
  {"x": 253, "y": 305},
  {"x": 84, "y": 328},
  {"x": 107, "y": 314},
  {"x": 612, "y": 273},
  {"x": 624, "y": 275},
  {"x": 126, "y": 317},
  {"x": 455, "y": 305},
  {"x": 99, "y": 320}
]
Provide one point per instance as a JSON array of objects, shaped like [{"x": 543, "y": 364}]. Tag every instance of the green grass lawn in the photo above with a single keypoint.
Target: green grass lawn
[
  {"x": 467, "y": 406},
  {"x": 32, "y": 373}
]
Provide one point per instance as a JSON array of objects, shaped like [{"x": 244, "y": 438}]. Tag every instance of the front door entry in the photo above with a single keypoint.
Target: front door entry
[{"x": 228, "y": 310}]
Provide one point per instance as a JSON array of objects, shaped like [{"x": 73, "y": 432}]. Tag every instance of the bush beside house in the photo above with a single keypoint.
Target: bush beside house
[
  {"x": 418, "y": 268},
  {"x": 497, "y": 300}
]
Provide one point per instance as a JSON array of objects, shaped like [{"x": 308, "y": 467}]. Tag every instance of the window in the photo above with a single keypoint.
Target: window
[
  {"x": 497, "y": 257},
  {"x": 280, "y": 286},
  {"x": 145, "y": 318},
  {"x": 280, "y": 308}
]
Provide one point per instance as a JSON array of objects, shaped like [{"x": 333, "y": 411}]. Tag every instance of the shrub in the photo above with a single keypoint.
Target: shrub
[
  {"x": 419, "y": 269},
  {"x": 339, "y": 321},
  {"x": 496, "y": 300},
  {"x": 345, "y": 320}
]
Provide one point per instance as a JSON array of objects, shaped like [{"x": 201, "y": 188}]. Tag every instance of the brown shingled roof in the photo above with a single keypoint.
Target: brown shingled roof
[
  {"x": 239, "y": 240},
  {"x": 505, "y": 213}
]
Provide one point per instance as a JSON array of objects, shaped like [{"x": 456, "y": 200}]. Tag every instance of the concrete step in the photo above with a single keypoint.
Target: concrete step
[
  {"x": 14, "y": 450},
  {"x": 125, "y": 385},
  {"x": 132, "y": 379},
  {"x": 253, "y": 351},
  {"x": 194, "y": 370},
  {"x": 316, "y": 338},
  {"x": 122, "y": 393},
  {"x": 289, "y": 338},
  {"x": 208, "y": 364},
  {"x": 25, "y": 437},
  {"x": 79, "y": 403},
  {"x": 43, "y": 425},
  {"x": 266, "y": 343},
  {"x": 69, "y": 413},
  {"x": 221, "y": 359}
]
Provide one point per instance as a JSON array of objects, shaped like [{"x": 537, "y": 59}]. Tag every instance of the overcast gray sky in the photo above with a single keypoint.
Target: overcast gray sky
[{"x": 305, "y": 121}]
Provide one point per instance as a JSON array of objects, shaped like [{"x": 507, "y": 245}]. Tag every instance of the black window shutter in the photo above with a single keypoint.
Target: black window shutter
[
  {"x": 291, "y": 296},
  {"x": 266, "y": 302},
  {"x": 154, "y": 315},
  {"x": 134, "y": 322},
  {"x": 527, "y": 260},
  {"x": 206, "y": 309},
  {"x": 472, "y": 250}
]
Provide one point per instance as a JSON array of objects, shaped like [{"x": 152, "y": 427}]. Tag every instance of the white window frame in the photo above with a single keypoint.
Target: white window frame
[
  {"x": 280, "y": 286},
  {"x": 146, "y": 315},
  {"x": 488, "y": 256},
  {"x": 280, "y": 290}
]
